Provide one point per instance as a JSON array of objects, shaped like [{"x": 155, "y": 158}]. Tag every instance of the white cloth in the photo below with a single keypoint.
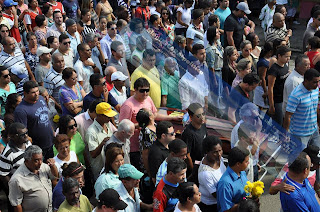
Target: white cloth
[
  {"x": 59, "y": 163},
  {"x": 121, "y": 97},
  {"x": 234, "y": 134},
  {"x": 84, "y": 73},
  {"x": 266, "y": 16},
  {"x": 196, "y": 207},
  {"x": 281, "y": 2},
  {"x": 185, "y": 17}
]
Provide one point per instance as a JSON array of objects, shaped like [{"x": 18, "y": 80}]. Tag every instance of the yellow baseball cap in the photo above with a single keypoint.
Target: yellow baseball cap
[{"x": 105, "y": 109}]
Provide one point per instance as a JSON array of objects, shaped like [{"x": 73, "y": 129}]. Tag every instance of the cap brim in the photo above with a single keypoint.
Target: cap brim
[
  {"x": 247, "y": 12},
  {"x": 22, "y": 76},
  {"x": 137, "y": 175},
  {"x": 111, "y": 113},
  {"x": 121, "y": 205}
]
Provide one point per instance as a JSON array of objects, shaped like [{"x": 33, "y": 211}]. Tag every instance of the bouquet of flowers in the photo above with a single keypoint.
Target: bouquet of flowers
[{"x": 255, "y": 189}]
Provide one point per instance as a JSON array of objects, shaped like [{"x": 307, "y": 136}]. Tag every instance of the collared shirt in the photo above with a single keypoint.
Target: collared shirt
[
  {"x": 94, "y": 136},
  {"x": 195, "y": 34},
  {"x": 53, "y": 30},
  {"x": 301, "y": 199},
  {"x": 162, "y": 171},
  {"x": 106, "y": 43},
  {"x": 69, "y": 57},
  {"x": 106, "y": 180},
  {"x": 170, "y": 88},
  {"x": 293, "y": 80},
  {"x": 83, "y": 121},
  {"x": 303, "y": 104},
  {"x": 157, "y": 154},
  {"x": 8, "y": 61},
  {"x": 193, "y": 89},
  {"x": 84, "y": 73},
  {"x": 52, "y": 82},
  {"x": 32, "y": 191},
  {"x": 230, "y": 189},
  {"x": 125, "y": 147},
  {"x": 133, "y": 204},
  {"x": 120, "y": 66},
  {"x": 120, "y": 96},
  {"x": 75, "y": 41},
  {"x": 85, "y": 205}
]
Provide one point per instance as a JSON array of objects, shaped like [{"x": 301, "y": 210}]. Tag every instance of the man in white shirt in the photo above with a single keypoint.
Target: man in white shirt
[
  {"x": 65, "y": 50},
  {"x": 58, "y": 27},
  {"x": 119, "y": 89}
]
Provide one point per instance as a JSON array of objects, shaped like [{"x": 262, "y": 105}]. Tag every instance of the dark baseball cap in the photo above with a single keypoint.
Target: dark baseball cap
[
  {"x": 111, "y": 198},
  {"x": 314, "y": 153}
]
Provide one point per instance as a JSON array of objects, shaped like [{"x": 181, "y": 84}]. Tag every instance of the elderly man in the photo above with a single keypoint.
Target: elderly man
[
  {"x": 96, "y": 52},
  {"x": 12, "y": 56},
  {"x": 65, "y": 50},
  {"x": 58, "y": 27},
  {"x": 122, "y": 136},
  {"x": 30, "y": 188},
  {"x": 53, "y": 79},
  {"x": 277, "y": 30}
]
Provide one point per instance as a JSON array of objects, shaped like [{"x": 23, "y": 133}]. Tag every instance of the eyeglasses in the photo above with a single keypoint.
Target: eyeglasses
[
  {"x": 165, "y": 13},
  {"x": 172, "y": 134},
  {"x": 144, "y": 90},
  {"x": 103, "y": 84},
  {"x": 4, "y": 30},
  {"x": 6, "y": 76},
  {"x": 72, "y": 126},
  {"x": 65, "y": 43},
  {"x": 114, "y": 28},
  {"x": 201, "y": 114},
  {"x": 22, "y": 135}
]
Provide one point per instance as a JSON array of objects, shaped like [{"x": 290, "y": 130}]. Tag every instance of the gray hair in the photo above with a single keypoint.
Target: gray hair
[
  {"x": 42, "y": 90},
  {"x": 68, "y": 184},
  {"x": 247, "y": 110},
  {"x": 242, "y": 64},
  {"x": 179, "y": 39},
  {"x": 32, "y": 150},
  {"x": 169, "y": 60},
  {"x": 125, "y": 125},
  {"x": 90, "y": 37},
  {"x": 244, "y": 43},
  {"x": 299, "y": 59}
]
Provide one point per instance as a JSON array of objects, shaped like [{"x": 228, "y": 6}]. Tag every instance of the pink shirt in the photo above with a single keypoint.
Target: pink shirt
[{"x": 129, "y": 110}]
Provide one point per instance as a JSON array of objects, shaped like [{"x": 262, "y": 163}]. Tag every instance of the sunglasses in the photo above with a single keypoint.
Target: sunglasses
[
  {"x": 165, "y": 13},
  {"x": 172, "y": 134},
  {"x": 4, "y": 30},
  {"x": 103, "y": 84},
  {"x": 65, "y": 43},
  {"x": 114, "y": 28},
  {"x": 201, "y": 114},
  {"x": 22, "y": 135},
  {"x": 144, "y": 90},
  {"x": 72, "y": 126},
  {"x": 6, "y": 76}
]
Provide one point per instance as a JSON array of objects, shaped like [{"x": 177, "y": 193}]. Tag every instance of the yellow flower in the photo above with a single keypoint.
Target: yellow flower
[
  {"x": 248, "y": 187},
  {"x": 255, "y": 189},
  {"x": 56, "y": 118}
]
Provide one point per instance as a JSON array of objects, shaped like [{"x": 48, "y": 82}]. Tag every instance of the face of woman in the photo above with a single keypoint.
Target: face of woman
[
  {"x": 217, "y": 35},
  {"x": 283, "y": 11},
  {"x": 64, "y": 149},
  {"x": 256, "y": 40},
  {"x": 4, "y": 32},
  {"x": 19, "y": 100},
  {"x": 50, "y": 11},
  {"x": 72, "y": 128},
  {"x": 103, "y": 23},
  {"x": 91, "y": 4},
  {"x": 246, "y": 51},
  {"x": 33, "y": 41},
  {"x": 87, "y": 17},
  {"x": 80, "y": 178},
  {"x": 55, "y": 43},
  {"x": 197, "y": 195},
  {"x": 34, "y": 3},
  {"x": 247, "y": 70},
  {"x": 118, "y": 161},
  {"x": 234, "y": 56},
  {"x": 165, "y": 14},
  {"x": 72, "y": 80}
]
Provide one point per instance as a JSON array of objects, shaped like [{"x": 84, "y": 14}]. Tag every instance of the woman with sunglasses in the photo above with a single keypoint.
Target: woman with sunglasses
[
  {"x": 168, "y": 22},
  {"x": 246, "y": 50},
  {"x": 68, "y": 126},
  {"x": 71, "y": 94},
  {"x": 6, "y": 87}
]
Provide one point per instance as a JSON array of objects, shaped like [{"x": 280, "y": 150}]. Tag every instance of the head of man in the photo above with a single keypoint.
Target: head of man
[
  {"x": 110, "y": 201},
  {"x": 112, "y": 29},
  {"x": 199, "y": 52},
  {"x": 122, "y": 25},
  {"x": 92, "y": 39},
  {"x": 117, "y": 49},
  {"x": 313, "y": 152},
  {"x": 198, "y": 15},
  {"x": 178, "y": 148},
  {"x": 9, "y": 44},
  {"x": 311, "y": 79},
  {"x": 33, "y": 158},
  {"x": 136, "y": 25},
  {"x": 118, "y": 79},
  {"x": 141, "y": 88},
  {"x": 159, "y": 5},
  {"x": 239, "y": 159},
  {"x": 148, "y": 59},
  {"x": 302, "y": 64},
  {"x": 170, "y": 65},
  {"x": 57, "y": 17},
  {"x": 65, "y": 43},
  {"x": 58, "y": 63},
  {"x": 196, "y": 113},
  {"x": 8, "y": 6},
  {"x": 314, "y": 43},
  {"x": 278, "y": 20},
  {"x": 31, "y": 91},
  {"x": 176, "y": 170},
  {"x": 272, "y": 2},
  {"x": 144, "y": 3},
  {"x": 249, "y": 113},
  {"x": 84, "y": 51},
  {"x": 129, "y": 176},
  {"x": 165, "y": 132},
  {"x": 224, "y": 4},
  {"x": 71, "y": 26},
  {"x": 18, "y": 133},
  {"x": 125, "y": 129},
  {"x": 316, "y": 18},
  {"x": 212, "y": 148},
  {"x": 108, "y": 72},
  {"x": 92, "y": 108},
  {"x": 98, "y": 83},
  {"x": 242, "y": 9},
  {"x": 4, "y": 76},
  {"x": 250, "y": 82},
  {"x": 44, "y": 54},
  {"x": 71, "y": 190},
  {"x": 300, "y": 168},
  {"x": 104, "y": 113}
]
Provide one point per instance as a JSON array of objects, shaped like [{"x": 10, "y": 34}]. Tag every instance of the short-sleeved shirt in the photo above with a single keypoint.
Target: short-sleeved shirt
[
  {"x": 170, "y": 88},
  {"x": 281, "y": 74},
  {"x": 59, "y": 163},
  {"x": 133, "y": 204},
  {"x": 121, "y": 66},
  {"x": 303, "y": 104},
  {"x": 185, "y": 16},
  {"x": 163, "y": 197},
  {"x": 230, "y": 189},
  {"x": 120, "y": 96},
  {"x": 274, "y": 33},
  {"x": 40, "y": 73},
  {"x": 301, "y": 199},
  {"x": 90, "y": 98},
  {"x": 195, "y": 34},
  {"x": 8, "y": 61},
  {"x": 85, "y": 205},
  {"x": 162, "y": 171},
  {"x": 84, "y": 73},
  {"x": 125, "y": 147},
  {"x": 157, "y": 154},
  {"x": 75, "y": 41},
  {"x": 71, "y": 8},
  {"x": 4, "y": 94},
  {"x": 53, "y": 30},
  {"x": 222, "y": 14},
  {"x": 106, "y": 180},
  {"x": 193, "y": 138},
  {"x": 153, "y": 78},
  {"x": 52, "y": 82},
  {"x": 69, "y": 58},
  {"x": 67, "y": 95},
  {"x": 237, "y": 98},
  {"x": 83, "y": 121},
  {"x": 33, "y": 192},
  {"x": 235, "y": 25}
]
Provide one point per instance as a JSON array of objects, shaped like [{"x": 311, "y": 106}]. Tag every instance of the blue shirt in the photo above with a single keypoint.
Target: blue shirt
[
  {"x": 231, "y": 189},
  {"x": 133, "y": 204},
  {"x": 301, "y": 199},
  {"x": 303, "y": 104},
  {"x": 90, "y": 98}
]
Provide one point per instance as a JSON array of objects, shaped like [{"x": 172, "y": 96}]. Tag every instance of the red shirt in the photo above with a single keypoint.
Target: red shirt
[
  {"x": 57, "y": 7},
  {"x": 33, "y": 16},
  {"x": 14, "y": 30},
  {"x": 109, "y": 86},
  {"x": 144, "y": 14}
]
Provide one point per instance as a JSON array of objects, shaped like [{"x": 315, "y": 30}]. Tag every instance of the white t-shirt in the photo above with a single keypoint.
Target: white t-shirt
[
  {"x": 197, "y": 209},
  {"x": 208, "y": 181},
  {"x": 84, "y": 73},
  {"x": 59, "y": 163},
  {"x": 120, "y": 97},
  {"x": 282, "y": 2},
  {"x": 185, "y": 17}
]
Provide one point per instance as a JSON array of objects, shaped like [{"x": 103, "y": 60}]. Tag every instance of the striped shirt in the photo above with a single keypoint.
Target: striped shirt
[
  {"x": 9, "y": 61},
  {"x": 52, "y": 82},
  {"x": 303, "y": 104},
  {"x": 11, "y": 158},
  {"x": 275, "y": 33},
  {"x": 162, "y": 171}
]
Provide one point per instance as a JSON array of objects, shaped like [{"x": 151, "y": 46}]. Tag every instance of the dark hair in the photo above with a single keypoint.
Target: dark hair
[
  {"x": 110, "y": 23},
  {"x": 69, "y": 184},
  {"x": 50, "y": 40},
  {"x": 12, "y": 100},
  {"x": 3, "y": 25},
  {"x": 84, "y": 11},
  {"x": 299, "y": 59},
  {"x": 143, "y": 118},
  {"x": 148, "y": 52},
  {"x": 162, "y": 128},
  {"x": 314, "y": 42},
  {"x": 111, "y": 155},
  {"x": 250, "y": 37},
  {"x": 310, "y": 74},
  {"x": 14, "y": 127},
  {"x": 317, "y": 66},
  {"x": 193, "y": 107},
  {"x": 40, "y": 20},
  {"x": 71, "y": 169},
  {"x": 115, "y": 44},
  {"x": 314, "y": 9},
  {"x": 316, "y": 14},
  {"x": 278, "y": 8},
  {"x": 67, "y": 73},
  {"x": 196, "y": 48},
  {"x": 237, "y": 155},
  {"x": 170, "y": 18},
  {"x": 63, "y": 37},
  {"x": 211, "y": 34},
  {"x": 248, "y": 205},
  {"x": 56, "y": 12},
  {"x": 176, "y": 165},
  {"x": 95, "y": 79},
  {"x": 59, "y": 139},
  {"x": 45, "y": 8},
  {"x": 141, "y": 82},
  {"x": 29, "y": 34},
  {"x": 209, "y": 143},
  {"x": 134, "y": 22},
  {"x": 317, "y": 33},
  {"x": 204, "y": 4},
  {"x": 27, "y": 86},
  {"x": 276, "y": 44},
  {"x": 93, "y": 105},
  {"x": 267, "y": 47},
  {"x": 312, "y": 151},
  {"x": 300, "y": 164},
  {"x": 63, "y": 123},
  {"x": 197, "y": 13},
  {"x": 177, "y": 145},
  {"x": 251, "y": 79},
  {"x": 153, "y": 18},
  {"x": 185, "y": 191},
  {"x": 120, "y": 23},
  {"x": 213, "y": 19},
  {"x": 282, "y": 50},
  {"x": 188, "y": 1}
]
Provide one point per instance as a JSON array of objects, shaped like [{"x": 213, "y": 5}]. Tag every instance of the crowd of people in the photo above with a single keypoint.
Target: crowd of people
[{"x": 86, "y": 87}]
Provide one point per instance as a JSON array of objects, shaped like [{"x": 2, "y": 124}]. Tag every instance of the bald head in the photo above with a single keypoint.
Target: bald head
[
  {"x": 8, "y": 44},
  {"x": 108, "y": 72},
  {"x": 58, "y": 62},
  {"x": 278, "y": 20}
]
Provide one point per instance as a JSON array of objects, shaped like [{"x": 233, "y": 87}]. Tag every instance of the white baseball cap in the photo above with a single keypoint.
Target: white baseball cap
[
  {"x": 118, "y": 75},
  {"x": 43, "y": 50}
]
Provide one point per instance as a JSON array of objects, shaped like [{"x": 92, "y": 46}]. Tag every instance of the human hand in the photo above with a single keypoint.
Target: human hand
[
  {"x": 285, "y": 188},
  {"x": 51, "y": 162}
]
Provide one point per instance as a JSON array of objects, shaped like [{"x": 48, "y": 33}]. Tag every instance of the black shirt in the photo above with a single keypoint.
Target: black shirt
[
  {"x": 157, "y": 154},
  {"x": 90, "y": 98},
  {"x": 237, "y": 99},
  {"x": 193, "y": 138},
  {"x": 281, "y": 74},
  {"x": 235, "y": 25}
]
